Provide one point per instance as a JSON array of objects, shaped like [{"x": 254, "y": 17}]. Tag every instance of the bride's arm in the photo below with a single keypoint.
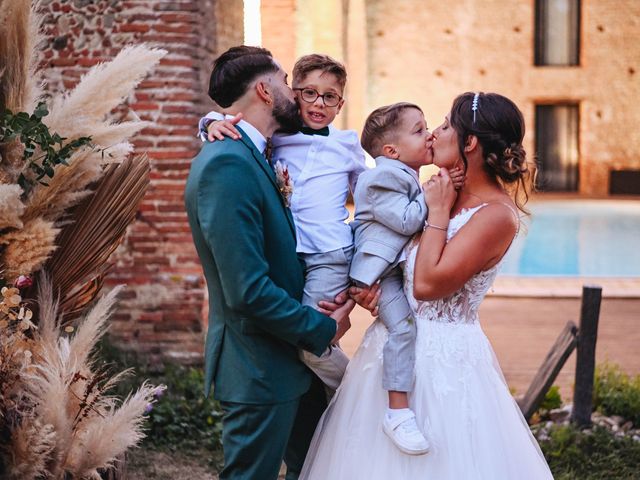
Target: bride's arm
[{"x": 443, "y": 268}]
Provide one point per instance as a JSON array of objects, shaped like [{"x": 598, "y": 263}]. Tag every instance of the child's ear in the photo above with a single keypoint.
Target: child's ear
[
  {"x": 339, "y": 107},
  {"x": 389, "y": 150},
  {"x": 471, "y": 143}
]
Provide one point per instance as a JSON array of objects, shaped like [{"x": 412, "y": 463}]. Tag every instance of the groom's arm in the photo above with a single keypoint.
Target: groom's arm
[{"x": 230, "y": 216}]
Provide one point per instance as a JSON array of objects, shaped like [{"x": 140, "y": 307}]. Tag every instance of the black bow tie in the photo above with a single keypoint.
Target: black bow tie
[{"x": 311, "y": 131}]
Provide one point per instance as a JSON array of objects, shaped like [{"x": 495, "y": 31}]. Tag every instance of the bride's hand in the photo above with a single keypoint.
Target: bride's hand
[{"x": 439, "y": 192}]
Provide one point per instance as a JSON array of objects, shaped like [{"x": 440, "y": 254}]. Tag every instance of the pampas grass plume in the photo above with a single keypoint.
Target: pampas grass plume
[
  {"x": 103, "y": 439},
  {"x": 101, "y": 90},
  {"x": 27, "y": 249},
  {"x": 11, "y": 207},
  {"x": 32, "y": 445},
  {"x": 92, "y": 329}
]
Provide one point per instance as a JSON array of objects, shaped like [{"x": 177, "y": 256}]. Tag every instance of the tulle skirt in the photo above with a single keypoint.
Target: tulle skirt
[{"x": 461, "y": 402}]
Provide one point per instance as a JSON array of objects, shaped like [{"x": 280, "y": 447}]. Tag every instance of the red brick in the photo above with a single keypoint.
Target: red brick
[
  {"x": 145, "y": 106},
  {"x": 89, "y": 62},
  {"x": 63, "y": 62},
  {"x": 171, "y": 155},
  {"x": 135, "y": 27},
  {"x": 178, "y": 18},
  {"x": 174, "y": 28}
]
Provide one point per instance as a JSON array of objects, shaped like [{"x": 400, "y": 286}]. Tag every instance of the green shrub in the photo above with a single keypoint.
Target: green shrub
[
  {"x": 551, "y": 400},
  {"x": 616, "y": 393},
  {"x": 590, "y": 455},
  {"x": 181, "y": 418}
]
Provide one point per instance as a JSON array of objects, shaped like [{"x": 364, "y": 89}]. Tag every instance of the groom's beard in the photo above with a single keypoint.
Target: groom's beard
[{"x": 287, "y": 114}]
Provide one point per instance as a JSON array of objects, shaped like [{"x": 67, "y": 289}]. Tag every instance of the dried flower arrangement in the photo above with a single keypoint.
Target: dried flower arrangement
[{"x": 68, "y": 190}]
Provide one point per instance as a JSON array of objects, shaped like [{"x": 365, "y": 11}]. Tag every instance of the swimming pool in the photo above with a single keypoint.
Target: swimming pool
[{"x": 595, "y": 238}]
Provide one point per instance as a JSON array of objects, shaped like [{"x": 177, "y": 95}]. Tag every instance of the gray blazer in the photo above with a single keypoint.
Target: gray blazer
[{"x": 390, "y": 209}]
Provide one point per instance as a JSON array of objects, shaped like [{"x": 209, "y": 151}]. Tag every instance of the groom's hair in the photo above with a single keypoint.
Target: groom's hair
[
  {"x": 235, "y": 69},
  {"x": 381, "y": 126}
]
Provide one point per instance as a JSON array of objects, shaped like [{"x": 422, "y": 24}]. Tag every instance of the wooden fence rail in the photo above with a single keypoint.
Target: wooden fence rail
[{"x": 584, "y": 339}]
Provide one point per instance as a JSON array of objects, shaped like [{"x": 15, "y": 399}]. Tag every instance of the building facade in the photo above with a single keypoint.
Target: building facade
[{"x": 572, "y": 66}]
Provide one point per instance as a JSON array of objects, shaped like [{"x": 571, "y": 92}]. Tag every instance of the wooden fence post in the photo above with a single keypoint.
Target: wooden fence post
[{"x": 586, "y": 355}]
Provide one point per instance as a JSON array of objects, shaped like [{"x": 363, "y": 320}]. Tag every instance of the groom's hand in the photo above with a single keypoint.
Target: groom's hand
[{"x": 339, "y": 310}]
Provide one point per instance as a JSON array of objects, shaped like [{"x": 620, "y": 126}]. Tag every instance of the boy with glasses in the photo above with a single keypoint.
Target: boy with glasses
[{"x": 323, "y": 164}]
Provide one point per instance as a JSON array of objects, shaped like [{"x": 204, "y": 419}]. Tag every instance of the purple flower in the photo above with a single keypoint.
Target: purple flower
[
  {"x": 148, "y": 408},
  {"x": 158, "y": 392},
  {"x": 23, "y": 281}
]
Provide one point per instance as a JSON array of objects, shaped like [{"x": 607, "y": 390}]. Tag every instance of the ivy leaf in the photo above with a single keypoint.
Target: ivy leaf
[{"x": 41, "y": 110}]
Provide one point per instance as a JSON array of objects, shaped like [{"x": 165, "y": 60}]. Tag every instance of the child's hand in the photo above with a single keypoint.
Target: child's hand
[
  {"x": 457, "y": 177},
  {"x": 224, "y": 128},
  {"x": 367, "y": 297}
]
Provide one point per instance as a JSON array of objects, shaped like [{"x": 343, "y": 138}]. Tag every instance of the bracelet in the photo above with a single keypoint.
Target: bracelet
[{"x": 427, "y": 225}]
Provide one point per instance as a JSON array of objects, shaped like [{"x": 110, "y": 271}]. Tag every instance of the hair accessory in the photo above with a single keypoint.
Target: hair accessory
[{"x": 474, "y": 106}]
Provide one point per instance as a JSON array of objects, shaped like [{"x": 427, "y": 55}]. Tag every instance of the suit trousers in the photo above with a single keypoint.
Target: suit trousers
[
  {"x": 257, "y": 438},
  {"x": 399, "y": 350},
  {"x": 326, "y": 275}
]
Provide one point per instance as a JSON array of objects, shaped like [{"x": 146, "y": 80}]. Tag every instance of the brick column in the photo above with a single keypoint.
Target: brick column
[{"x": 161, "y": 314}]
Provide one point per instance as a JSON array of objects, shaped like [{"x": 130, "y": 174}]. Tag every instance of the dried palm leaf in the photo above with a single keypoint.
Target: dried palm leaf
[
  {"x": 77, "y": 299},
  {"x": 97, "y": 227}
]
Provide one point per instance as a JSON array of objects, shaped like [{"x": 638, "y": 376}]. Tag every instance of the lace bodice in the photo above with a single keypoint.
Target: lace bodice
[{"x": 460, "y": 307}]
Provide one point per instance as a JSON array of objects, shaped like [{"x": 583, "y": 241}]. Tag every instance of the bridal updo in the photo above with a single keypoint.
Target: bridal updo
[{"x": 499, "y": 126}]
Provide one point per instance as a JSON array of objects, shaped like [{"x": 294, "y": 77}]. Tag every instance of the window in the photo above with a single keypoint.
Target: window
[
  {"x": 557, "y": 32},
  {"x": 557, "y": 147}
]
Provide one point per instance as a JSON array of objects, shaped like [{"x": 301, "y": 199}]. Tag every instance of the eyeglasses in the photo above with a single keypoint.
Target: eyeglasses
[{"x": 310, "y": 95}]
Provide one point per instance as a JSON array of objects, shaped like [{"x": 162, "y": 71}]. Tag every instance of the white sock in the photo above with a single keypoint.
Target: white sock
[{"x": 394, "y": 412}]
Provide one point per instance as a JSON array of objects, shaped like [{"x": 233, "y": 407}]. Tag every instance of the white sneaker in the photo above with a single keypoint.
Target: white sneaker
[{"x": 404, "y": 432}]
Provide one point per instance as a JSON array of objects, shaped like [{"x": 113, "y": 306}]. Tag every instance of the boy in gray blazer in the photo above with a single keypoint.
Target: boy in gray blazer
[{"x": 389, "y": 209}]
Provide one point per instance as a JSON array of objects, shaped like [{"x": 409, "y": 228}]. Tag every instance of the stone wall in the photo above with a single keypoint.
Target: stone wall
[{"x": 161, "y": 313}]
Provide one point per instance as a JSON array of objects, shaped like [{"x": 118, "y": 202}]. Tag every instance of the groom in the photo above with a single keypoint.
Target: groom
[{"x": 245, "y": 238}]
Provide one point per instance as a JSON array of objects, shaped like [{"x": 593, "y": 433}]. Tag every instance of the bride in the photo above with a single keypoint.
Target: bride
[{"x": 460, "y": 397}]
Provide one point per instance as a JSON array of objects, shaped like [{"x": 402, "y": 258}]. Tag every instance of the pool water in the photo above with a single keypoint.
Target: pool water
[{"x": 595, "y": 238}]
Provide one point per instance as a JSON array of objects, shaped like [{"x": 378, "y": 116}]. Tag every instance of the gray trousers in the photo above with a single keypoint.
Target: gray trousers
[
  {"x": 399, "y": 351},
  {"x": 326, "y": 275}
]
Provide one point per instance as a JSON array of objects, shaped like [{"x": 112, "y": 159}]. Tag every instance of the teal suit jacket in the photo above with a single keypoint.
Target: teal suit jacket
[{"x": 245, "y": 238}]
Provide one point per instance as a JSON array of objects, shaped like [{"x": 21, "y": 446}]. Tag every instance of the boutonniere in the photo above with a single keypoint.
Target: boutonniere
[{"x": 285, "y": 185}]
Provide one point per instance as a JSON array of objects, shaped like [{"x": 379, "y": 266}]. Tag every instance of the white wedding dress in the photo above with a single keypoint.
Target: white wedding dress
[{"x": 460, "y": 398}]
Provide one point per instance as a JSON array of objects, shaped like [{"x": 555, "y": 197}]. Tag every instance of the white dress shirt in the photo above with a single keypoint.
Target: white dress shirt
[
  {"x": 252, "y": 132},
  {"x": 323, "y": 170}
]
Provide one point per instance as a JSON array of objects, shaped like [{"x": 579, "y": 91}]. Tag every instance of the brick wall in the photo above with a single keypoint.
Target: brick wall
[{"x": 162, "y": 310}]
